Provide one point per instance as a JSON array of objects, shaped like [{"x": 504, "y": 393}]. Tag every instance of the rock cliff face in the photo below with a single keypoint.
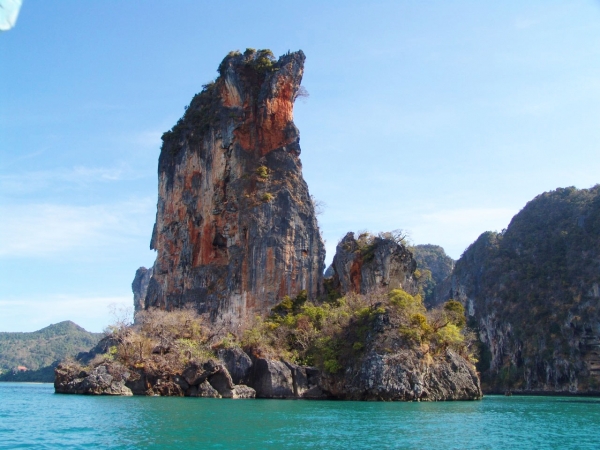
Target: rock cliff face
[
  {"x": 391, "y": 370},
  {"x": 395, "y": 376},
  {"x": 139, "y": 286},
  {"x": 433, "y": 268},
  {"x": 532, "y": 293},
  {"x": 235, "y": 226},
  {"x": 369, "y": 263},
  {"x": 98, "y": 381},
  {"x": 406, "y": 376}
]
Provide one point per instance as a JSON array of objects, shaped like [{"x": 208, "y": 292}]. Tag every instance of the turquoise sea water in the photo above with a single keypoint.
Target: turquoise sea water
[{"x": 32, "y": 416}]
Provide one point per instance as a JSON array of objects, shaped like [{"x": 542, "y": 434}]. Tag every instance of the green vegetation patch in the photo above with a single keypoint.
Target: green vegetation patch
[
  {"x": 199, "y": 116},
  {"x": 334, "y": 334},
  {"x": 160, "y": 341},
  {"x": 267, "y": 197},
  {"x": 262, "y": 172}
]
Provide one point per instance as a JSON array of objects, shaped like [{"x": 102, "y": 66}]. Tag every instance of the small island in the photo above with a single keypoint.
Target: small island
[{"x": 236, "y": 304}]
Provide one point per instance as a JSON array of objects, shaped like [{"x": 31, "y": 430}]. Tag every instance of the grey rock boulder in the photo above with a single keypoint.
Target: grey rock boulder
[
  {"x": 205, "y": 389},
  {"x": 237, "y": 362},
  {"x": 195, "y": 373},
  {"x": 272, "y": 379},
  {"x": 242, "y": 391},
  {"x": 404, "y": 375},
  {"x": 305, "y": 381},
  {"x": 222, "y": 382},
  {"x": 97, "y": 382}
]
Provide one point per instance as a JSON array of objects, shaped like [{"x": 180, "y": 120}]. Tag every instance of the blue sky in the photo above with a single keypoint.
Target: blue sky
[{"x": 440, "y": 118}]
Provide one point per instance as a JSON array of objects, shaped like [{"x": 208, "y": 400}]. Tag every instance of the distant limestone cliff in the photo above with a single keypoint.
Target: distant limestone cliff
[
  {"x": 433, "y": 268},
  {"x": 235, "y": 227},
  {"x": 532, "y": 293}
]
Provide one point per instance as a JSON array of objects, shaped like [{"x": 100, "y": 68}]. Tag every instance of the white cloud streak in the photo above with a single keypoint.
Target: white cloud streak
[
  {"x": 79, "y": 176},
  {"x": 41, "y": 230},
  {"x": 149, "y": 138},
  {"x": 92, "y": 313}
]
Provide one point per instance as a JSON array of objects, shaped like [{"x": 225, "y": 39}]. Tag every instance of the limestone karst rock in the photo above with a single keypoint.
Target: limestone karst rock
[
  {"x": 434, "y": 266},
  {"x": 531, "y": 292},
  {"x": 235, "y": 225},
  {"x": 369, "y": 263},
  {"x": 70, "y": 380},
  {"x": 236, "y": 233},
  {"x": 139, "y": 286}
]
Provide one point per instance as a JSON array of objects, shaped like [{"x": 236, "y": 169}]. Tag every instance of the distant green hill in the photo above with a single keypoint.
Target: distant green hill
[{"x": 39, "y": 349}]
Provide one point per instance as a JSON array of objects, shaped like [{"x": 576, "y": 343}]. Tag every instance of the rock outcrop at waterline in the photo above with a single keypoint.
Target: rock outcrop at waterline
[
  {"x": 390, "y": 369},
  {"x": 402, "y": 376},
  {"x": 98, "y": 381},
  {"x": 235, "y": 226},
  {"x": 362, "y": 351},
  {"x": 405, "y": 375}
]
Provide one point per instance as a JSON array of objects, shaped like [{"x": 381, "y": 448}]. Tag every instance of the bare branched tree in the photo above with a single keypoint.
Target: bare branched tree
[
  {"x": 318, "y": 205},
  {"x": 301, "y": 93},
  {"x": 399, "y": 235}
]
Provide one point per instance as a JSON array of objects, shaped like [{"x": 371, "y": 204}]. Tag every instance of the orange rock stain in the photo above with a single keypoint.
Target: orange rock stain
[{"x": 355, "y": 274}]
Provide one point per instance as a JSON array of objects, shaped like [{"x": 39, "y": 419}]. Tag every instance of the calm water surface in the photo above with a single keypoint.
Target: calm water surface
[{"x": 32, "y": 416}]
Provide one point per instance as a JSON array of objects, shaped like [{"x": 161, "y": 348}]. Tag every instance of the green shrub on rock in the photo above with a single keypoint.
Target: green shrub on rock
[{"x": 334, "y": 334}]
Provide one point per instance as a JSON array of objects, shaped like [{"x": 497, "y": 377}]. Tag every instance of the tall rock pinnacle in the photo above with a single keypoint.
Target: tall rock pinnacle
[{"x": 235, "y": 225}]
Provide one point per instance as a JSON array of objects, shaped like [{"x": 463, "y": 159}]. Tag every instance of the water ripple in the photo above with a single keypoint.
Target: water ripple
[{"x": 32, "y": 416}]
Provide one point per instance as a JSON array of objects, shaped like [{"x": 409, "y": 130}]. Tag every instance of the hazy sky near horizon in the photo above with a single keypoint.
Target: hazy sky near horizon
[{"x": 440, "y": 118}]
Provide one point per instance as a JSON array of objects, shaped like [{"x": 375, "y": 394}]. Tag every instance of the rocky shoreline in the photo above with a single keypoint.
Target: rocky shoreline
[
  {"x": 236, "y": 306},
  {"x": 236, "y": 375}
]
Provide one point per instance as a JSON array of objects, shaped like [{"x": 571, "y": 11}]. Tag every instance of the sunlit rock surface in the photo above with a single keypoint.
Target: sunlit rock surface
[
  {"x": 366, "y": 265},
  {"x": 235, "y": 225}
]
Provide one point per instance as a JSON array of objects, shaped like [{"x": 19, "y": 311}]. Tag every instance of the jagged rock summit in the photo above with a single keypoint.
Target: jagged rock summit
[
  {"x": 371, "y": 262},
  {"x": 235, "y": 225}
]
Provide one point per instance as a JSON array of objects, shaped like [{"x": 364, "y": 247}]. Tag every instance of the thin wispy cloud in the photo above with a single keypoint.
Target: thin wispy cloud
[
  {"x": 31, "y": 181},
  {"x": 456, "y": 229},
  {"x": 92, "y": 313},
  {"x": 149, "y": 138},
  {"x": 20, "y": 158},
  {"x": 43, "y": 230}
]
